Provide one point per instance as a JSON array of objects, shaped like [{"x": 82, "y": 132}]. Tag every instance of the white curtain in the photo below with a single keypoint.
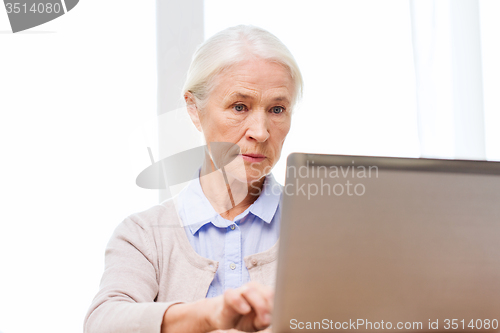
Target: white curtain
[
  {"x": 179, "y": 32},
  {"x": 448, "y": 66},
  {"x": 388, "y": 78},
  {"x": 71, "y": 92}
]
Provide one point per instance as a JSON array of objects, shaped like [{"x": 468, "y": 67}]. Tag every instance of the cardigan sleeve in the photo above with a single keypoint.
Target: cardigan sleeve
[{"x": 129, "y": 285}]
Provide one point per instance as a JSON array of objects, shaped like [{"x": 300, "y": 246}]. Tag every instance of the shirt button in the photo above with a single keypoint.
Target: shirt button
[
  {"x": 233, "y": 266},
  {"x": 254, "y": 262},
  {"x": 232, "y": 227}
]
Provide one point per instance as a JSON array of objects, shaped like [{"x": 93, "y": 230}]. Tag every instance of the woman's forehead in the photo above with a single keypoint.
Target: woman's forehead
[
  {"x": 282, "y": 96},
  {"x": 255, "y": 77},
  {"x": 257, "y": 70}
]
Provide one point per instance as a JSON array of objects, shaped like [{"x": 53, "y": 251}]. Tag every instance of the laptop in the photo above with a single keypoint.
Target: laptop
[{"x": 388, "y": 244}]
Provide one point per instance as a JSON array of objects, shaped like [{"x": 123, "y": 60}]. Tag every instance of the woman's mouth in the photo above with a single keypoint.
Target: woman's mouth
[{"x": 253, "y": 158}]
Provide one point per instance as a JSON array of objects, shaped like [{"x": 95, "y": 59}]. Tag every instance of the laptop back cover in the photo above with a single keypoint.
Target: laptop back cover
[{"x": 388, "y": 243}]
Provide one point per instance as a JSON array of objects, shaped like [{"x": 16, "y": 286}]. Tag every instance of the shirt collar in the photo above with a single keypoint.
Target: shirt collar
[
  {"x": 198, "y": 211},
  {"x": 266, "y": 204}
]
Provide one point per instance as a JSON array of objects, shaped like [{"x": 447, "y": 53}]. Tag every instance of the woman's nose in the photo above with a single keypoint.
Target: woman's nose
[{"x": 258, "y": 127}]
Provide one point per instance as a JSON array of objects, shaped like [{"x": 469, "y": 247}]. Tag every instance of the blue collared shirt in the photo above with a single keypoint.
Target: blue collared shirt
[{"x": 228, "y": 242}]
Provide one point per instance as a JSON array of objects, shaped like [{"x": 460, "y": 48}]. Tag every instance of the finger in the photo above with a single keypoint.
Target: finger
[
  {"x": 267, "y": 330},
  {"x": 258, "y": 299},
  {"x": 269, "y": 292},
  {"x": 235, "y": 299},
  {"x": 266, "y": 291}
]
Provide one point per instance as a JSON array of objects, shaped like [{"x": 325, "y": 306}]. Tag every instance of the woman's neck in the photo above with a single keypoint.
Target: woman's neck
[{"x": 227, "y": 195}]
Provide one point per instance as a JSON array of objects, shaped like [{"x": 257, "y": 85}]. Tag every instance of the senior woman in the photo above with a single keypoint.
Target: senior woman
[{"x": 205, "y": 260}]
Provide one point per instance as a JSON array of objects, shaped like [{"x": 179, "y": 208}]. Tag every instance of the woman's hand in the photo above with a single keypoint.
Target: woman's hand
[
  {"x": 247, "y": 308},
  {"x": 267, "y": 330}
]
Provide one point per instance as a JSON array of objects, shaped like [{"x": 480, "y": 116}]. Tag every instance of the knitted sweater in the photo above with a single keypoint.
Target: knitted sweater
[{"x": 150, "y": 265}]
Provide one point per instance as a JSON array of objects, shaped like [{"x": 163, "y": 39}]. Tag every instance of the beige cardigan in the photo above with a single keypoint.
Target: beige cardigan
[{"x": 150, "y": 265}]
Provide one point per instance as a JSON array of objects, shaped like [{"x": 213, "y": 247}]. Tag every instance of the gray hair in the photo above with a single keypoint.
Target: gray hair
[{"x": 231, "y": 46}]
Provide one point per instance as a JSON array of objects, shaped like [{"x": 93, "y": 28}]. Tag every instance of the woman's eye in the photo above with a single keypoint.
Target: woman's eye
[
  {"x": 277, "y": 109},
  {"x": 239, "y": 107}
]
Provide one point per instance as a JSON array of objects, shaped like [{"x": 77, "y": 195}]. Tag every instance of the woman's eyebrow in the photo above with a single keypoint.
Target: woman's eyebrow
[
  {"x": 239, "y": 95},
  {"x": 281, "y": 99}
]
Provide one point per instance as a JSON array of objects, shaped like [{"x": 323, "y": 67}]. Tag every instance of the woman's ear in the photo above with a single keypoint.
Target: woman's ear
[{"x": 192, "y": 109}]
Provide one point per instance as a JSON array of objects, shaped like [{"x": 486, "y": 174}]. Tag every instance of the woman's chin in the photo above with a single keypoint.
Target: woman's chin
[
  {"x": 244, "y": 176},
  {"x": 245, "y": 172},
  {"x": 255, "y": 171},
  {"x": 241, "y": 176}
]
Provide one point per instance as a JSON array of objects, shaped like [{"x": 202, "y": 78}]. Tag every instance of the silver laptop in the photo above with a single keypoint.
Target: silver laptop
[{"x": 388, "y": 244}]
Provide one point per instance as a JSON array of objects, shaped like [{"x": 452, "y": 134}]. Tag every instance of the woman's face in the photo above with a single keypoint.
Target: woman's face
[{"x": 250, "y": 107}]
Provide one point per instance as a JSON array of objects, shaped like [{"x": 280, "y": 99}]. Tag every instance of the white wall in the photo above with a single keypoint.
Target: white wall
[
  {"x": 489, "y": 11},
  {"x": 75, "y": 92},
  {"x": 70, "y": 91},
  {"x": 357, "y": 62}
]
